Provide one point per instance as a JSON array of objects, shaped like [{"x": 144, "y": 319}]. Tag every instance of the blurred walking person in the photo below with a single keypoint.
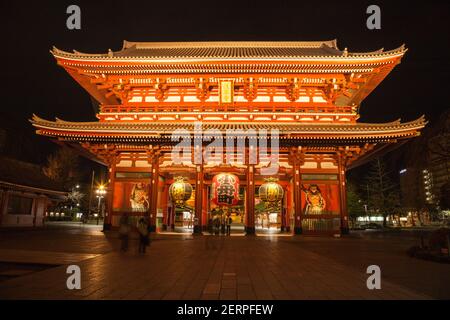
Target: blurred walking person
[
  {"x": 216, "y": 225},
  {"x": 142, "y": 227},
  {"x": 229, "y": 220},
  {"x": 124, "y": 231}
]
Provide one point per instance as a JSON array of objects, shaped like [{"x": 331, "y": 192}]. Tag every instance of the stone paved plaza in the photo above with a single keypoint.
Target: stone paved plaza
[{"x": 218, "y": 267}]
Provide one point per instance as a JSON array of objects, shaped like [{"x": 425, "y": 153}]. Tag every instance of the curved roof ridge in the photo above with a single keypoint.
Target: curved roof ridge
[
  {"x": 229, "y": 44},
  {"x": 56, "y": 51},
  {"x": 88, "y": 54},
  {"x": 381, "y": 50},
  {"x": 400, "y": 49}
]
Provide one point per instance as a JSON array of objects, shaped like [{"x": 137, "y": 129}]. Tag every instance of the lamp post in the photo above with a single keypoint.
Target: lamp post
[
  {"x": 90, "y": 194},
  {"x": 366, "y": 211},
  {"x": 101, "y": 192}
]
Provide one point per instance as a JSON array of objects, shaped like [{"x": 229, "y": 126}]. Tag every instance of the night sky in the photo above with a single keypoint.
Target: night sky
[{"x": 33, "y": 83}]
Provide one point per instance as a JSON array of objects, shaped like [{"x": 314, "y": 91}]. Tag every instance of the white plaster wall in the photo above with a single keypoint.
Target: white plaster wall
[{"x": 17, "y": 220}]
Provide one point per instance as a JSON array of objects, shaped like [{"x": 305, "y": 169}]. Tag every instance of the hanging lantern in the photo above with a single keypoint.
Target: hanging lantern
[
  {"x": 180, "y": 191},
  {"x": 225, "y": 189},
  {"x": 271, "y": 192}
]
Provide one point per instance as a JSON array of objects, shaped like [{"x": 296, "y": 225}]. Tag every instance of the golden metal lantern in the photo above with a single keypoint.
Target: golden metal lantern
[
  {"x": 271, "y": 192},
  {"x": 180, "y": 191}
]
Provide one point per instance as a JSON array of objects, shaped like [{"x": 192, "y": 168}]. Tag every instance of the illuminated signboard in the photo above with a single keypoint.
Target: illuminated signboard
[{"x": 226, "y": 88}]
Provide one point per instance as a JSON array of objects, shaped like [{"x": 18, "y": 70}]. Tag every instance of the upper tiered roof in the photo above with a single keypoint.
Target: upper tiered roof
[
  {"x": 277, "y": 62},
  {"x": 233, "y": 50}
]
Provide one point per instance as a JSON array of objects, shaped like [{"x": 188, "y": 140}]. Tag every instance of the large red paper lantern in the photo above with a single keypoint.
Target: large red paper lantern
[{"x": 225, "y": 189}]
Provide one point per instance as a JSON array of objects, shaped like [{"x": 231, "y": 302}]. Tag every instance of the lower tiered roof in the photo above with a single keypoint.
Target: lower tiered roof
[{"x": 144, "y": 132}]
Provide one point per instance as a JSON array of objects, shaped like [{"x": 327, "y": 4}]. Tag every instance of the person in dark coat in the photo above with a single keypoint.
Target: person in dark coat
[
  {"x": 142, "y": 228},
  {"x": 216, "y": 225},
  {"x": 228, "y": 221}
]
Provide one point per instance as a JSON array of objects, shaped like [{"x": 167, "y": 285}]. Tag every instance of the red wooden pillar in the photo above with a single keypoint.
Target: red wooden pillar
[
  {"x": 284, "y": 210},
  {"x": 250, "y": 200},
  {"x": 165, "y": 205},
  {"x": 297, "y": 198},
  {"x": 198, "y": 199},
  {"x": 289, "y": 207},
  {"x": 107, "y": 219},
  {"x": 205, "y": 208},
  {"x": 154, "y": 192},
  {"x": 343, "y": 196}
]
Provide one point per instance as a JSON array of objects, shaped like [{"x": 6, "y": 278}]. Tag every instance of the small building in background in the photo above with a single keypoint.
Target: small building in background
[{"x": 25, "y": 194}]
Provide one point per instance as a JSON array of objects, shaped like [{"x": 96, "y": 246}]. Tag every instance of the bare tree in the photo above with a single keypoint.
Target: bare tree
[
  {"x": 75, "y": 196},
  {"x": 384, "y": 193},
  {"x": 62, "y": 166}
]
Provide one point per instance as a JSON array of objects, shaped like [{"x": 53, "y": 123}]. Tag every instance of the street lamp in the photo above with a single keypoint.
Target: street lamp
[
  {"x": 101, "y": 192},
  {"x": 366, "y": 211}
]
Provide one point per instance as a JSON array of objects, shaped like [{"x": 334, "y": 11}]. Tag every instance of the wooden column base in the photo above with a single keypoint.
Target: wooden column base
[
  {"x": 250, "y": 231},
  {"x": 345, "y": 230},
  {"x": 152, "y": 228},
  {"x": 298, "y": 230},
  {"x": 107, "y": 226},
  {"x": 197, "y": 229}
]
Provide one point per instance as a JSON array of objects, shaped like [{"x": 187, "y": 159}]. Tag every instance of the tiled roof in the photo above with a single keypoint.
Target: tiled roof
[
  {"x": 83, "y": 130},
  {"x": 226, "y": 50},
  {"x": 230, "y": 44}
]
